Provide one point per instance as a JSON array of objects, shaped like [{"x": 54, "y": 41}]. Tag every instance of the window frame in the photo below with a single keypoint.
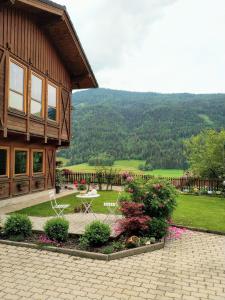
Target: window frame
[
  {"x": 27, "y": 164},
  {"x": 32, "y": 162},
  {"x": 57, "y": 102},
  {"x": 24, "y": 95},
  {"x": 7, "y": 162},
  {"x": 42, "y": 94}
]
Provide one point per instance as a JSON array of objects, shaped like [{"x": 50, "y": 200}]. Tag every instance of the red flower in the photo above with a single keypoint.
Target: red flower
[
  {"x": 75, "y": 183},
  {"x": 83, "y": 181}
]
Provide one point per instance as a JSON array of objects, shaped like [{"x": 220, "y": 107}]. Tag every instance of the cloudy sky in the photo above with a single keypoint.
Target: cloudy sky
[{"x": 153, "y": 45}]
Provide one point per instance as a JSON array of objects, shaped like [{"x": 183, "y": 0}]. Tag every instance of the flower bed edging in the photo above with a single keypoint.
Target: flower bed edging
[{"x": 91, "y": 255}]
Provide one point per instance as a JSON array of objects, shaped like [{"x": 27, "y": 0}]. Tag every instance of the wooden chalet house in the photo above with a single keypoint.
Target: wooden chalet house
[{"x": 41, "y": 61}]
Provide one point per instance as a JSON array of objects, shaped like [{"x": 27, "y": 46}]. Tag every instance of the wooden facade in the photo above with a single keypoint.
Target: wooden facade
[{"x": 38, "y": 42}]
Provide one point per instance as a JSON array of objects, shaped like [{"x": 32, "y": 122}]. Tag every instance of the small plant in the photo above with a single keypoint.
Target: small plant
[
  {"x": 96, "y": 234},
  {"x": 108, "y": 249},
  {"x": 158, "y": 228},
  {"x": 18, "y": 225},
  {"x": 56, "y": 229}
]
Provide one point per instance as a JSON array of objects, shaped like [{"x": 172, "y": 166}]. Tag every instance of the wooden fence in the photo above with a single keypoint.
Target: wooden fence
[{"x": 181, "y": 183}]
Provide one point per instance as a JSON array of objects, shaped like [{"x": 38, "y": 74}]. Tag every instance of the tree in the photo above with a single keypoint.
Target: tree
[{"x": 205, "y": 153}]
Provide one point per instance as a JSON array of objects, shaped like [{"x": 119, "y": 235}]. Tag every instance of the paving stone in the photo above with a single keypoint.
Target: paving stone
[{"x": 191, "y": 268}]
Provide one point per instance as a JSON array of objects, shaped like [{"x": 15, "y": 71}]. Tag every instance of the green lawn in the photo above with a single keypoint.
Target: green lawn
[
  {"x": 201, "y": 212},
  {"x": 45, "y": 210},
  {"x": 129, "y": 165},
  {"x": 63, "y": 160},
  {"x": 197, "y": 211}
]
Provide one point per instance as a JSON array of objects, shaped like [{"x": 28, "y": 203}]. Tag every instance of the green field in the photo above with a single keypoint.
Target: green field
[
  {"x": 129, "y": 165},
  {"x": 65, "y": 161},
  {"x": 197, "y": 211}
]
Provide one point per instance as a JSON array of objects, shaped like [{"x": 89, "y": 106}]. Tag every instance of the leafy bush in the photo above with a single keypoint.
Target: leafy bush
[
  {"x": 18, "y": 225},
  {"x": 56, "y": 229},
  {"x": 157, "y": 195},
  {"x": 158, "y": 228},
  {"x": 102, "y": 159},
  {"x": 159, "y": 198},
  {"x": 96, "y": 234},
  {"x": 136, "y": 190},
  {"x": 135, "y": 222},
  {"x": 132, "y": 209}
]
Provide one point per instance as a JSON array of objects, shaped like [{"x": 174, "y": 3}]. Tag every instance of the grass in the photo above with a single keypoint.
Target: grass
[
  {"x": 129, "y": 165},
  {"x": 197, "y": 211},
  {"x": 201, "y": 211},
  {"x": 45, "y": 210},
  {"x": 65, "y": 161}
]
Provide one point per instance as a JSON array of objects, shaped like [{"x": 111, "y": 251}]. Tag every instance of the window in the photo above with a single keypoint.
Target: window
[
  {"x": 36, "y": 95},
  {"x": 21, "y": 162},
  {"x": 52, "y": 102},
  {"x": 16, "y": 85},
  {"x": 38, "y": 161},
  {"x": 4, "y": 161}
]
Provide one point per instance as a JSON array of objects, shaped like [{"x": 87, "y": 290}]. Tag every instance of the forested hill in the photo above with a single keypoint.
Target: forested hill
[{"x": 131, "y": 125}]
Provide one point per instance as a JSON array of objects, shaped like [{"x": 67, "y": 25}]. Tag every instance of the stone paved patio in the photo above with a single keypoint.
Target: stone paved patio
[{"x": 192, "y": 267}]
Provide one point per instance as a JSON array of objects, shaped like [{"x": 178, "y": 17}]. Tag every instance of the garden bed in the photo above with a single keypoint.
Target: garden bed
[{"x": 71, "y": 247}]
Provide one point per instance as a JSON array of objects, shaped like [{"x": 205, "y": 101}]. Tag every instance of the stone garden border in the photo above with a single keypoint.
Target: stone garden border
[{"x": 91, "y": 255}]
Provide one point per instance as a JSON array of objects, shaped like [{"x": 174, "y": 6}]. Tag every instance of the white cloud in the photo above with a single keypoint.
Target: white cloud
[{"x": 153, "y": 45}]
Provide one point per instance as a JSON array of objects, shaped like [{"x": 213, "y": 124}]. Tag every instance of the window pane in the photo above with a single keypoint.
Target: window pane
[
  {"x": 38, "y": 162},
  {"x": 52, "y": 113},
  {"x": 36, "y": 88},
  {"x": 16, "y": 78},
  {"x": 20, "y": 162},
  {"x": 15, "y": 101},
  {"x": 35, "y": 108},
  {"x": 52, "y": 95},
  {"x": 3, "y": 162}
]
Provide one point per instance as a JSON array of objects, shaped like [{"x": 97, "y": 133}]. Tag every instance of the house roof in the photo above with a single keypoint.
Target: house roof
[{"x": 55, "y": 20}]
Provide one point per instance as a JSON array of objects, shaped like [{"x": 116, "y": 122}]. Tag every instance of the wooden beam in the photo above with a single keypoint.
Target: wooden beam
[
  {"x": 42, "y": 6},
  {"x": 7, "y": 3}
]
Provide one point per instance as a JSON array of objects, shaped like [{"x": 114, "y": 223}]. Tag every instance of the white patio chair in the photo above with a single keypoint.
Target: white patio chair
[
  {"x": 58, "y": 208},
  {"x": 111, "y": 207}
]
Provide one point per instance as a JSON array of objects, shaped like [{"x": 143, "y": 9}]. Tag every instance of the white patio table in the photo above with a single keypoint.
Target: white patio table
[{"x": 87, "y": 205}]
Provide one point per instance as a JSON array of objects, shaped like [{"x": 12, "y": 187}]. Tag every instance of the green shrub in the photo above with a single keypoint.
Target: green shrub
[
  {"x": 158, "y": 228},
  {"x": 160, "y": 198},
  {"x": 108, "y": 249},
  {"x": 18, "y": 225},
  {"x": 96, "y": 234},
  {"x": 57, "y": 229}
]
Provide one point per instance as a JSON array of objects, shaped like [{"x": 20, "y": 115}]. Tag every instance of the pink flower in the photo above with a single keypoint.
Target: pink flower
[
  {"x": 130, "y": 179},
  {"x": 176, "y": 233}
]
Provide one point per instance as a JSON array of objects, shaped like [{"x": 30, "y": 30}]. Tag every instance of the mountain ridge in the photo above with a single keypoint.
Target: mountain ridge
[{"x": 141, "y": 125}]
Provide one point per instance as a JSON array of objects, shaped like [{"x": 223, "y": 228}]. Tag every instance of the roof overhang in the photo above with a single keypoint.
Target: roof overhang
[{"x": 55, "y": 21}]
